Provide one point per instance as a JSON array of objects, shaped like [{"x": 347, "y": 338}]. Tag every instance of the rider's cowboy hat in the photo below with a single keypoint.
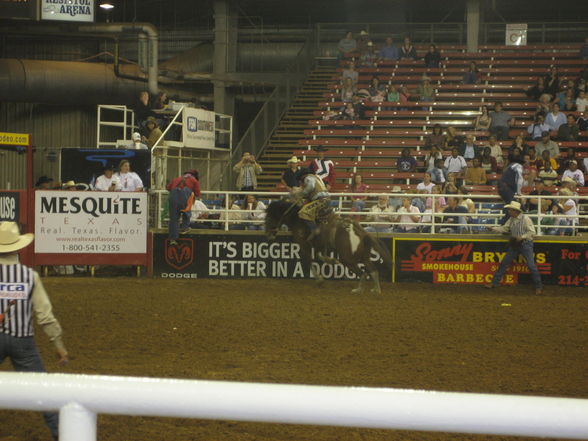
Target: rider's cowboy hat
[
  {"x": 10, "y": 238},
  {"x": 514, "y": 205},
  {"x": 293, "y": 160}
]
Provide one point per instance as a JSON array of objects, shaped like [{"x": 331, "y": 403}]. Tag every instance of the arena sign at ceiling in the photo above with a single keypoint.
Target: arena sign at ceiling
[{"x": 68, "y": 10}]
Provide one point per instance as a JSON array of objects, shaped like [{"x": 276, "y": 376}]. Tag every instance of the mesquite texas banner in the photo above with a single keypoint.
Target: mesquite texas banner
[{"x": 474, "y": 262}]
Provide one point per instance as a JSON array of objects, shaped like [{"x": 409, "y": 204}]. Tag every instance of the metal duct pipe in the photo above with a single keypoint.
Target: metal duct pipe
[{"x": 142, "y": 28}]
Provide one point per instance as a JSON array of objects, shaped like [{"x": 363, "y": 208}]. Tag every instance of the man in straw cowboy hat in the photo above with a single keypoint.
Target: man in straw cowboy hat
[
  {"x": 289, "y": 177},
  {"x": 21, "y": 294},
  {"x": 521, "y": 230}
]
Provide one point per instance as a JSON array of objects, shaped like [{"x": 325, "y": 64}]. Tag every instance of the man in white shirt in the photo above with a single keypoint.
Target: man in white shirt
[
  {"x": 381, "y": 212},
  {"x": 581, "y": 101},
  {"x": 427, "y": 185},
  {"x": 409, "y": 217},
  {"x": 108, "y": 181},
  {"x": 574, "y": 173},
  {"x": 199, "y": 211},
  {"x": 455, "y": 163}
]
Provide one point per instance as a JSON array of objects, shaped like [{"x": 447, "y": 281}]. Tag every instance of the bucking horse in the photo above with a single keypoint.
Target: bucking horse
[{"x": 351, "y": 243}]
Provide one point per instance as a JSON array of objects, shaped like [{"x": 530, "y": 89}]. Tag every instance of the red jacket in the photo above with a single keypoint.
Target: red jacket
[{"x": 186, "y": 180}]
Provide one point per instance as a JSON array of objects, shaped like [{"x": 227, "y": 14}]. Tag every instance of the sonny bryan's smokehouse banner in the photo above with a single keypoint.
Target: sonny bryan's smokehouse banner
[
  {"x": 234, "y": 256},
  {"x": 474, "y": 262},
  {"x": 90, "y": 222}
]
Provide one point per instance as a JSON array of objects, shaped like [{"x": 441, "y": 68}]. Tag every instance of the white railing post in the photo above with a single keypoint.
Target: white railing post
[{"x": 76, "y": 423}]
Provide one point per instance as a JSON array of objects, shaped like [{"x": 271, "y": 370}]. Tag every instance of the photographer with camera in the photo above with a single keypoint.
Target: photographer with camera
[{"x": 247, "y": 169}]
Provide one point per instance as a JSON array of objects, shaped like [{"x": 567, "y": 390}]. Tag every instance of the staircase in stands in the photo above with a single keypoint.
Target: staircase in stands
[{"x": 285, "y": 138}]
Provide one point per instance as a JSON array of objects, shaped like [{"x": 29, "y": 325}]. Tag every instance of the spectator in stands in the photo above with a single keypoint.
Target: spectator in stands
[
  {"x": 376, "y": 86},
  {"x": 405, "y": 96},
  {"x": 439, "y": 172},
  {"x": 475, "y": 175},
  {"x": 247, "y": 170},
  {"x": 129, "y": 180},
  {"x": 153, "y": 132},
  {"x": 465, "y": 201},
  {"x": 570, "y": 184},
  {"x": 488, "y": 162},
  {"x": 348, "y": 90},
  {"x": 536, "y": 90},
  {"x": 407, "y": 51},
  {"x": 532, "y": 204},
  {"x": 182, "y": 191},
  {"x": 324, "y": 168},
  {"x": 439, "y": 201},
  {"x": 552, "y": 82},
  {"x": 432, "y": 157},
  {"x": 381, "y": 212},
  {"x": 544, "y": 105},
  {"x": 358, "y": 107},
  {"x": 472, "y": 76},
  {"x": 451, "y": 184},
  {"x": 107, "y": 181},
  {"x": 456, "y": 163},
  {"x": 408, "y": 214},
  {"x": 389, "y": 51},
  {"x": 468, "y": 148},
  {"x": 425, "y": 91},
  {"x": 393, "y": 94},
  {"x": 545, "y": 157},
  {"x": 358, "y": 186},
  {"x": 437, "y": 138},
  {"x": 569, "y": 131},
  {"x": 380, "y": 97},
  {"x": 349, "y": 112},
  {"x": 73, "y": 186},
  {"x": 137, "y": 143},
  {"x": 370, "y": 57},
  {"x": 350, "y": 72},
  {"x": 584, "y": 50},
  {"x": 569, "y": 208},
  {"x": 254, "y": 211},
  {"x": 362, "y": 42},
  {"x": 496, "y": 151},
  {"x": 161, "y": 101},
  {"x": 519, "y": 142},
  {"x": 556, "y": 221},
  {"x": 529, "y": 176},
  {"x": 500, "y": 122},
  {"x": 555, "y": 118},
  {"x": 567, "y": 100},
  {"x": 418, "y": 201},
  {"x": 570, "y": 156},
  {"x": 347, "y": 45},
  {"x": 44, "y": 183},
  {"x": 289, "y": 177},
  {"x": 581, "y": 101},
  {"x": 547, "y": 144},
  {"x": 483, "y": 121},
  {"x": 548, "y": 174},
  {"x": 199, "y": 212},
  {"x": 454, "y": 211},
  {"x": 143, "y": 110},
  {"x": 536, "y": 129},
  {"x": 427, "y": 185},
  {"x": 573, "y": 172},
  {"x": 452, "y": 139},
  {"x": 406, "y": 163},
  {"x": 233, "y": 213},
  {"x": 432, "y": 57}
]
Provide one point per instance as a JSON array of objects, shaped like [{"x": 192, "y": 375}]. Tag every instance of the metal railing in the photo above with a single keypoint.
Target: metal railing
[{"x": 223, "y": 214}]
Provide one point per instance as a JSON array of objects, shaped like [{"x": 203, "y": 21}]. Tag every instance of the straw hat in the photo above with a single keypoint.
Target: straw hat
[
  {"x": 10, "y": 238},
  {"x": 514, "y": 205},
  {"x": 293, "y": 160},
  {"x": 568, "y": 180}
]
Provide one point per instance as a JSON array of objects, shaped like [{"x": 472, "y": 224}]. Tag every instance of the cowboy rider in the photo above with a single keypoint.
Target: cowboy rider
[{"x": 314, "y": 190}]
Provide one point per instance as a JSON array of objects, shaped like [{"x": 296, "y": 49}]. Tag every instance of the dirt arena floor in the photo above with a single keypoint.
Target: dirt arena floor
[{"x": 447, "y": 338}]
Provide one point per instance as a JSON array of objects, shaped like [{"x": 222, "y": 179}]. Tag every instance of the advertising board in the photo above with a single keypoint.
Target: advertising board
[
  {"x": 9, "y": 206},
  {"x": 198, "y": 128}
]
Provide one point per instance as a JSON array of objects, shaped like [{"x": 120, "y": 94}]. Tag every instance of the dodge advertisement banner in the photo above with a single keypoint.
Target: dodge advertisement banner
[
  {"x": 474, "y": 262},
  {"x": 90, "y": 222},
  {"x": 198, "y": 128},
  {"x": 234, "y": 256}
]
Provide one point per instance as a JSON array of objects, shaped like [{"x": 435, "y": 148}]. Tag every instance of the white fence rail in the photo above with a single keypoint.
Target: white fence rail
[{"x": 79, "y": 398}]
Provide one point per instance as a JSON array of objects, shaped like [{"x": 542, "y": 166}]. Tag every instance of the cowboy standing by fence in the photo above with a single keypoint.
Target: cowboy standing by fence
[
  {"x": 21, "y": 294},
  {"x": 315, "y": 192},
  {"x": 521, "y": 229}
]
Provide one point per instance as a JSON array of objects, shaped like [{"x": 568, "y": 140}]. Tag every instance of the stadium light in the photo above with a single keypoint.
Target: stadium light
[{"x": 106, "y": 5}]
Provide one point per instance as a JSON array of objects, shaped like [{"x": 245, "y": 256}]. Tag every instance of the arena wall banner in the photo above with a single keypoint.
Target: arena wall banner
[
  {"x": 475, "y": 261},
  {"x": 198, "y": 128},
  {"x": 9, "y": 206},
  {"x": 85, "y": 165},
  {"x": 69, "y": 222},
  {"x": 241, "y": 255},
  {"x": 68, "y": 10}
]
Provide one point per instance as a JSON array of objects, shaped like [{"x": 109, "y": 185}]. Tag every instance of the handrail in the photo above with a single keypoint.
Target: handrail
[{"x": 79, "y": 398}]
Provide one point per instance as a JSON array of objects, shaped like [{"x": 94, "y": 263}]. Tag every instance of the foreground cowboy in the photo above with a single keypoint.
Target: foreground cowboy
[
  {"x": 521, "y": 229},
  {"x": 21, "y": 293},
  {"x": 315, "y": 192}
]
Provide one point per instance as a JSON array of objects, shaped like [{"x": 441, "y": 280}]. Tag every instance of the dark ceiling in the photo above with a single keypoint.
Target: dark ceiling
[{"x": 199, "y": 13}]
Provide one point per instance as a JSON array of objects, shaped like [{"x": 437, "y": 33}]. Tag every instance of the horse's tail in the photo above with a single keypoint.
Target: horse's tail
[{"x": 372, "y": 242}]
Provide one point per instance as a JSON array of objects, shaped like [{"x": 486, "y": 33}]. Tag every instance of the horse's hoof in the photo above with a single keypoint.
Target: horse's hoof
[{"x": 356, "y": 291}]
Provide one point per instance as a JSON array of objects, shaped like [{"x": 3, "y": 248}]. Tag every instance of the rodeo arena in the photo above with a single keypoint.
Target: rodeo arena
[{"x": 262, "y": 220}]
